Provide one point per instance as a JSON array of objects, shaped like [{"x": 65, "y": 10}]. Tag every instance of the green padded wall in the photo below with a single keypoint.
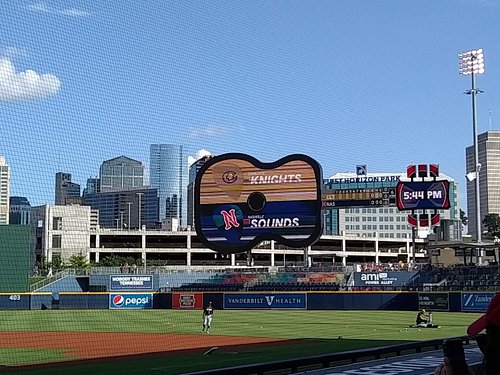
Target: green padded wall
[{"x": 14, "y": 258}]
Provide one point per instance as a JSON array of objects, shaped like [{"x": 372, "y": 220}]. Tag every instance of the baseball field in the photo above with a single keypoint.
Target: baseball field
[{"x": 171, "y": 341}]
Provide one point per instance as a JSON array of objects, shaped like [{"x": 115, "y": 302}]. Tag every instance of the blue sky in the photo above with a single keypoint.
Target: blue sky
[{"x": 345, "y": 82}]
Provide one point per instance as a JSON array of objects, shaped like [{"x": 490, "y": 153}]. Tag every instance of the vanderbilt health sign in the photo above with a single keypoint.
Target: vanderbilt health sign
[
  {"x": 265, "y": 301},
  {"x": 381, "y": 279}
]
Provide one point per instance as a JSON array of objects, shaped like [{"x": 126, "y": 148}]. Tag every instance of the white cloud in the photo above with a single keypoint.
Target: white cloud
[
  {"x": 27, "y": 85},
  {"x": 207, "y": 131},
  {"x": 199, "y": 154},
  {"x": 39, "y": 7},
  {"x": 46, "y": 8},
  {"x": 73, "y": 12}
]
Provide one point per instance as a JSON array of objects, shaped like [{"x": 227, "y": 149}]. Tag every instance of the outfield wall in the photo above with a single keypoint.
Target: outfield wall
[
  {"x": 398, "y": 301},
  {"x": 15, "y": 245}
]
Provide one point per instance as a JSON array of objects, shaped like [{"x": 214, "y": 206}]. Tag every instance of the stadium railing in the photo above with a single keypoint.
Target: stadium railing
[
  {"x": 57, "y": 276},
  {"x": 330, "y": 360},
  {"x": 143, "y": 270}
]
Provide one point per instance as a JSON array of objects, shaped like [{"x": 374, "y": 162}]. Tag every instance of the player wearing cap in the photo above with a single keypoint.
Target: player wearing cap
[{"x": 208, "y": 313}]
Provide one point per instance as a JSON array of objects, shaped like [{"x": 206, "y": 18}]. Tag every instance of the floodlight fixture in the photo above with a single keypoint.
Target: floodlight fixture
[{"x": 471, "y": 62}]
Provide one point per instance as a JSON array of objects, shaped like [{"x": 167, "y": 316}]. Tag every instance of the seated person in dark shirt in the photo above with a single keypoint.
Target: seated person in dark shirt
[
  {"x": 424, "y": 320},
  {"x": 422, "y": 317}
]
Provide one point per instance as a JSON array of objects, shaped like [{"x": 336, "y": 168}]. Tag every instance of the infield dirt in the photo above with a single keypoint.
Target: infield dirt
[{"x": 92, "y": 345}]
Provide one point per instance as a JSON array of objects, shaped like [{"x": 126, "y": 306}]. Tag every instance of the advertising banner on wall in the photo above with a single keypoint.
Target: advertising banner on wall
[
  {"x": 187, "y": 301},
  {"x": 434, "y": 301},
  {"x": 265, "y": 301},
  {"x": 119, "y": 283},
  {"x": 476, "y": 301},
  {"x": 131, "y": 301},
  {"x": 382, "y": 279}
]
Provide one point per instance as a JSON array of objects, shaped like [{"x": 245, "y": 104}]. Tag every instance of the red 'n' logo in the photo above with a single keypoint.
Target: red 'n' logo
[{"x": 230, "y": 219}]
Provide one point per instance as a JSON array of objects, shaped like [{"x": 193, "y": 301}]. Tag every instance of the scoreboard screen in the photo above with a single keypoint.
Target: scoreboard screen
[
  {"x": 371, "y": 197},
  {"x": 413, "y": 195}
]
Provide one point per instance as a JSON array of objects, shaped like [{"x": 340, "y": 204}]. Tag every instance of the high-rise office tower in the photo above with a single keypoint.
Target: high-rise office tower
[
  {"x": 121, "y": 173},
  {"x": 489, "y": 178},
  {"x": 20, "y": 210},
  {"x": 125, "y": 209},
  {"x": 66, "y": 191},
  {"x": 168, "y": 174},
  {"x": 193, "y": 171},
  {"x": 4, "y": 191},
  {"x": 93, "y": 186}
]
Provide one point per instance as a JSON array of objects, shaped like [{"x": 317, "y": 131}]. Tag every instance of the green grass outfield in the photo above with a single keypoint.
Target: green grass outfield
[{"x": 320, "y": 331}]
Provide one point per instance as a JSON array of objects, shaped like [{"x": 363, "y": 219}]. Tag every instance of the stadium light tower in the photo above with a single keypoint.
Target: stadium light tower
[{"x": 472, "y": 63}]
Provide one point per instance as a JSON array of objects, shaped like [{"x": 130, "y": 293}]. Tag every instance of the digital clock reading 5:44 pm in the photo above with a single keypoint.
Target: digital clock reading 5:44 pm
[{"x": 423, "y": 195}]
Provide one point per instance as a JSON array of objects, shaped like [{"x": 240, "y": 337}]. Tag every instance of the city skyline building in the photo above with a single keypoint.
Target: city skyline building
[
  {"x": 168, "y": 174},
  {"x": 4, "y": 191},
  {"x": 20, "y": 211},
  {"x": 489, "y": 178},
  {"x": 93, "y": 186},
  {"x": 121, "y": 172},
  {"x": 193, "y": 171},
  {"x": 58, "y": 232},
  {"x": 66, "y": 191},
  {"x": 126, "y": 209}
]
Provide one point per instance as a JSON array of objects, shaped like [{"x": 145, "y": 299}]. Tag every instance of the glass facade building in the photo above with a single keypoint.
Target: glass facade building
[
  {"x": 4, "y": 191},
  {"x": 122, "y": 209},
  {"x": 193, "y": 171},
  {"x": 489, "y": 178},
  {"x": 121, "y": 173},
  {"x": 20, "y": 210},
  {"x": 168, "y": 174},
  {"x": 66, "y": 190},
  {"x": 93, "y": 186}
]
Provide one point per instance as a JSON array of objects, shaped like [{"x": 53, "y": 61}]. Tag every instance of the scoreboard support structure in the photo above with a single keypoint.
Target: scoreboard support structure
[{"x": 429, "y": 194}]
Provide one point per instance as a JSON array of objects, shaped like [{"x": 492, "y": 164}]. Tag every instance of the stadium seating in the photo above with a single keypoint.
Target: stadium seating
[
  {"x": 462, "y": 277},
  {"x": 281, "y": 281},
  {"x": 435, "y": 278}
]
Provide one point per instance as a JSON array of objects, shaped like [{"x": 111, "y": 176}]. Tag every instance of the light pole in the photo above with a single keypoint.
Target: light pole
[
  {"x": 121, "y": 220},
  {"x": 139, "y": 195},
  {"x": 472, "y": 63},
  {"x": 129, "y": 204}
]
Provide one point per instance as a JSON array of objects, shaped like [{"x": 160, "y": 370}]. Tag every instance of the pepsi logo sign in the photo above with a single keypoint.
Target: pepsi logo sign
[
  {"x": 131, "y": 301},
  {"x": 118, "y": 300}
]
